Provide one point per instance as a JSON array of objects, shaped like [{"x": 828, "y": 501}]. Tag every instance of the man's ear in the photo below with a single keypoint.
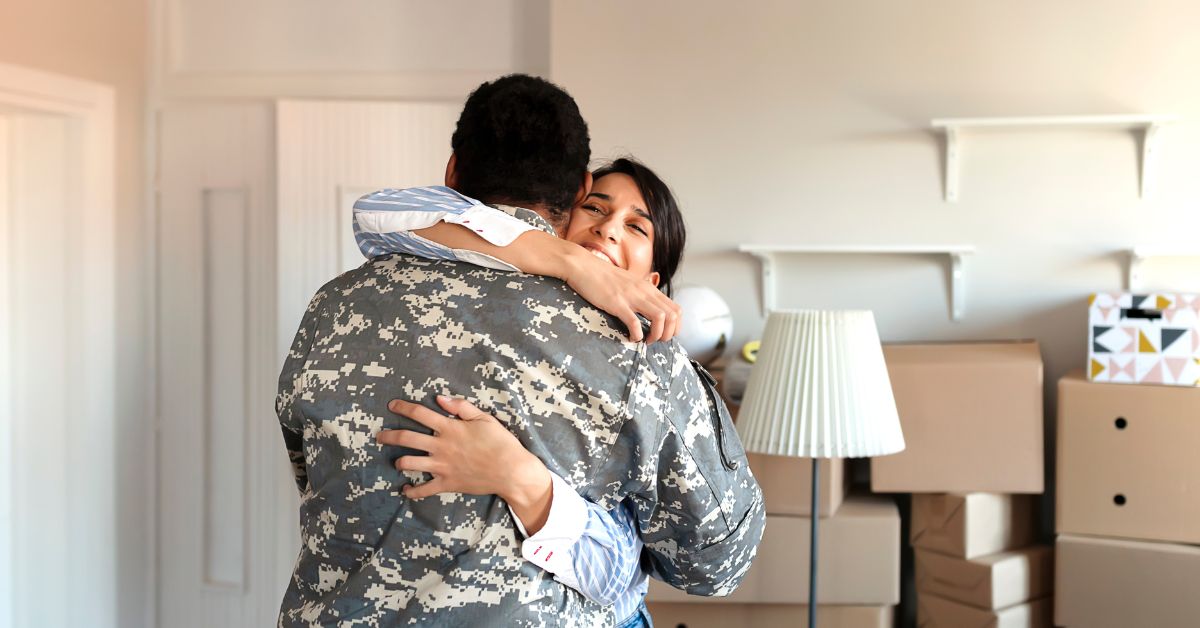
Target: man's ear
[
  {"x": 585, "y": 188},
  {"x": 452, "y": 172}
]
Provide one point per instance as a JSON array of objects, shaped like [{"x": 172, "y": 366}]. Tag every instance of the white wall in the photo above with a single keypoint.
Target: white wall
[
  {"x": 396, "y": 49},
  {"x": 807, "y": 123},
  {"x": 106, "y": 42},
  {"x": 362, "y": 37}
]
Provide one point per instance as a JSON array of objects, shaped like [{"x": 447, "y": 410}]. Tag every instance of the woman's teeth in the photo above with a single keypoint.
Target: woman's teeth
[{"x": 602, "y": 256}]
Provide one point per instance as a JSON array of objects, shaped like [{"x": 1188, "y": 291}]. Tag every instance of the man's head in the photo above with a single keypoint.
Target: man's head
[{"x": 521, "y": 141}]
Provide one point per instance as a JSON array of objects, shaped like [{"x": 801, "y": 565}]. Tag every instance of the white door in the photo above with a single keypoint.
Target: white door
[
  {"x": 254, "y": 214},
  {"x": 219, "y": 475},
  {"x": 57, "y": 394}
]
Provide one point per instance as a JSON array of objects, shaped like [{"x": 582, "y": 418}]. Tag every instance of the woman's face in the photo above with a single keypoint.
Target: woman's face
[{"x": 614, "y": 223}]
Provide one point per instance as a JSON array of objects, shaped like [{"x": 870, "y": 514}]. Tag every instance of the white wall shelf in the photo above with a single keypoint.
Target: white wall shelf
[
  {"x": 1148, "y": 125},
  {"x": 1137, "y": 255},
  {"x": 767, "y": 255}
]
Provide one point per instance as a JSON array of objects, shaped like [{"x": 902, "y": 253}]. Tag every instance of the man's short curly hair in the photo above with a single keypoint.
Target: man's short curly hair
[{"x": 521, "y": 140}]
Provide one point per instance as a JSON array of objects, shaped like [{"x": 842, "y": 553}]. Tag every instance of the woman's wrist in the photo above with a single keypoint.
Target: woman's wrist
[
  {"x": 570, "y": 261},
  {"x": 539, "y": 253},
  {"x": 530, "y": 492}
]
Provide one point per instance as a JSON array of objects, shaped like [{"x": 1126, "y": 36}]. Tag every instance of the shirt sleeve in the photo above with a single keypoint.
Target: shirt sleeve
[
  {"x": 701, "y": 514},
  {"x": 587, "y": 548},
  {"x": 384, "y": 222},
  {"x": 550, "y": 547},
  {"x": 606, "y": 558}
]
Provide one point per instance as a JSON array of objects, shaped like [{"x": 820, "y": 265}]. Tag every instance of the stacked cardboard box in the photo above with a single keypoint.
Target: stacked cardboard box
[
  {"x": 972, "y": 419},
  {"x": 858, "y": 576},
  {"x": 1128, "y": 516},
  {"x": 787, "y": 484},
  {"x": 975, "y": 565}
]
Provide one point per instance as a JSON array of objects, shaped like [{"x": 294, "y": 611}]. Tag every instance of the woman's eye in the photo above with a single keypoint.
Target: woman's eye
[
  {"x": 640, "y": 230},
  {"x": 592, "y": 208}
]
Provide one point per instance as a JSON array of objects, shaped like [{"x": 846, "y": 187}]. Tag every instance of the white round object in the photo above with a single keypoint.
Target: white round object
[{"x": 706, "y": 324}]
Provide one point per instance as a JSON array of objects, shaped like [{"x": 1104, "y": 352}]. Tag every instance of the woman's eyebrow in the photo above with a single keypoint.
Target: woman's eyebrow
[
  {"x": 600, "y": 195},
  {"x": 643, "y": 213}
]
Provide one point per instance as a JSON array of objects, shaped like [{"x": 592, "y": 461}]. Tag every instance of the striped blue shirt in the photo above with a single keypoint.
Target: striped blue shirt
[{"x": 587, "y": 548}]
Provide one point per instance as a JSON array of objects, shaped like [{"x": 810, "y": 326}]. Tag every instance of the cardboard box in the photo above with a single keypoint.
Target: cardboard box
[
  {"x": 972, "y": 419},
  {"x": 970, "y": 525},
  {"x": 858, "y": 560},
  {"x": 1113, "y": 583},
  {"x": 1128, "y": 460},
  {"x": 1144, "y": 338},
  {"x": 988, "y": 582},
  {"x": 787, "y": 484},
  {"x": 668, "y": 615},
  {"x": 936, "y": 612}
]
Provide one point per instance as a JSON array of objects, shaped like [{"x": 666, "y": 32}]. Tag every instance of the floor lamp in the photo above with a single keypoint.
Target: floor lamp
[{"x": 820, "y": 389}]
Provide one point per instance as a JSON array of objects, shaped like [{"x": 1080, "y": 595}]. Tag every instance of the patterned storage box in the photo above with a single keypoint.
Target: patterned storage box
[{"x": 1144, "y": 338}]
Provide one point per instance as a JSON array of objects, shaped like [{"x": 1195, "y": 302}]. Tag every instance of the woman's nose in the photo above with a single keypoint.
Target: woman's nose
[{"x": 607, "y": 229}]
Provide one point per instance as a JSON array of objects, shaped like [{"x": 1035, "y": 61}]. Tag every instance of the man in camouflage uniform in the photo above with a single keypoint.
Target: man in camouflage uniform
[{"x": 615, "y": 419}]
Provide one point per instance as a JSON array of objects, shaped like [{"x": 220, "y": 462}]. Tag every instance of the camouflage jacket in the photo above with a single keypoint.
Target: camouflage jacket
[{"x": 615, "y": 419}]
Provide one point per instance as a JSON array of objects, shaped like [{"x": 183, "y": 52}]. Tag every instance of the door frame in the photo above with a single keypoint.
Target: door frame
[{"x": 91, "y": 108}]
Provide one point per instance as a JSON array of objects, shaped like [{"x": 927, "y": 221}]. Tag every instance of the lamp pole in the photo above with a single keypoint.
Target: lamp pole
[{"x": 812, "y": 548}]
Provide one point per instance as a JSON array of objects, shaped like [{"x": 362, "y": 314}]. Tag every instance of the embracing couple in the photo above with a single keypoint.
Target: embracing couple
[{"x": 488, "y": 422}]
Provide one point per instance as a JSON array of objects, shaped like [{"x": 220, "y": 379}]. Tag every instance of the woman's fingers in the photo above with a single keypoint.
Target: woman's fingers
[
  {"x": 676, "y": 318},
  {"x": 658, "y": 322},
  {"x": 461, "y": 408},
  {"x": 663, "y": 314},
  {"x": 424, "y": 464},
  {"x": 428, "y": 489},
  {"x": 420, "y": 414},
  {"x": 632, "y": 323},
  {"x": 407, "y": 438}
]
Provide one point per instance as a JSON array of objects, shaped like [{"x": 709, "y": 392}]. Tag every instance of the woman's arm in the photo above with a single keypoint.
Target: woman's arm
[
  {"x": 593, "y": 551},
  {"x": 612, "y": 289},
  {"x": 439, "y": 223},
  {"x": 386, "y": 222}
]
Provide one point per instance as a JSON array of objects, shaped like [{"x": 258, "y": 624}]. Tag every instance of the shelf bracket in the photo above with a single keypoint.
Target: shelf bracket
[
  {"x": 1133, "y": 276},
  {"x": 767, "y": 263},
  {"x": 1138, "y": 255},
  {"x": 1149, "y": 146},
  {"x": 957, "y": 286},
  {"x": 952, "y": 159}
]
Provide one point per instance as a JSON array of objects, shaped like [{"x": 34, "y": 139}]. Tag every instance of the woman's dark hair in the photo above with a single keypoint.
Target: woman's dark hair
[
  {"x": 670, "y": 234},
  {"x": 521, "y": 140}
]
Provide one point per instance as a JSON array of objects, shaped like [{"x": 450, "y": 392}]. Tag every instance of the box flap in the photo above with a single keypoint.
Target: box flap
[
  {"x": 935, "y": 516},
  {"x": 992, "y": 353},
  {"x": 949, "y": 572},
  {"x": 937, "y": 612}
]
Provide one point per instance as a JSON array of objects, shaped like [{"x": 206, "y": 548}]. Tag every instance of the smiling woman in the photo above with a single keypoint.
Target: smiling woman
[{"x": 631, "y": 217}]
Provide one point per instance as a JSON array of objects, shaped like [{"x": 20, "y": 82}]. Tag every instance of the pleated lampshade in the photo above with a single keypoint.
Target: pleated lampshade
[{"x": 820, "y": 389}]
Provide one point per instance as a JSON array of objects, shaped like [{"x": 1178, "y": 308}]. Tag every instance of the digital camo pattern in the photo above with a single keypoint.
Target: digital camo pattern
[{"x": 613, "y": 418}]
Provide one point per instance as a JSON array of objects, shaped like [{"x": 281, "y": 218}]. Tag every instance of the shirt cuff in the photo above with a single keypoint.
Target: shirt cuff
[
  {"x": 550, "y": 547},
  {"x": 491, "y": 224}
]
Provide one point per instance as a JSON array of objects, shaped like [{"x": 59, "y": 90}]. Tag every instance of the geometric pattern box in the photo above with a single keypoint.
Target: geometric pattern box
[{"x": 1144, "y": 338}]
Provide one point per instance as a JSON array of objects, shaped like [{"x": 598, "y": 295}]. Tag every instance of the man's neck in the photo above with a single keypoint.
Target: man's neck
[{"x": 557, "y": 220}]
